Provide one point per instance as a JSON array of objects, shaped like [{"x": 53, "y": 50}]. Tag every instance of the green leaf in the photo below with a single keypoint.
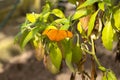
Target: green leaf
[
  {"x": 87, "y": 3},
  {"x": 22, "y": 37},
  {"x": 92, "y": 22},
  {"x": 45, "y": 16},
  {"x": 116, "y": 19},
  {"x": 80, "y": 13},
  {"x": 68, "y": 54},
  {"x": 16, "y": 40},
  {"x": 27, "y": 36},
  {"x": 109, "y": 75},
  {"x": 107, "y": 35},
  {"x": 108, "y": 2},
  {"x": 55, "y": 55},
  {"x": 46, "y": 8},
  {"x": 101, "y": 5},
  {"x": 25, "y": 26},
  {"x": 102, "y": 68},
  {"x": 68, "y": 59},
  {"x": 32, "y": 17},
  {"x": 64, "y": 23},
  {"x": 77, "y": 54},
  {"x": 58, "y": 13}
]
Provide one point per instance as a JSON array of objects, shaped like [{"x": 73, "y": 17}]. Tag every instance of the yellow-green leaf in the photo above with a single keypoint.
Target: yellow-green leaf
[
  {"x": 108, "y": 2},
  {"x": 63, "y": 23},
  {"x": 66, "y": 24},
  {"x": 58, "y": 13},
  {"x": 46, "y": 8},
  {"x": 28, "y": 36},
  {"x": 79, "y": 27},
  {"x": 55, "y": 55},
  {"x": 87, "y": 3},
  {"x": 45, "y": 16},
  {"x": 51, "y": 27},
  {"x": 92, "y": 22},
  {"x": 68, "y": 59},
  {"x": 80, "y": 13},
  {"x": 116, "y": 19},
  {"x": 101, "y": 5},
  {"x": 102, "y": 68},
  {"x": 109, "y": 75},
  {"x": 68, "y": 54},
  {"x": 107, "y": 35},
  {"x": 32, "y": 17}
]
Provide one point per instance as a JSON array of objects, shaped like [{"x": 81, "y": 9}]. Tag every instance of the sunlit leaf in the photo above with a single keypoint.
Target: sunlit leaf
[
  {"x": 101, "y": 5},
  {"x": 87, "y": 3},
  {"x": 80, "y": 13},
  {"x": 109, "y": 75},
  {"x": 107, "y": 35},
  {"x": 102, "y": 68},
  {"x": 79, "y": 27},
  {"x": 58, "y": 13},
  {"x": 51, "y": 27},
  {"x": 92, "y": 22},
  {"x": 116, "y": 19},
  {"x": 55, "y": 56},
  {"x": 32, "y": 17}
]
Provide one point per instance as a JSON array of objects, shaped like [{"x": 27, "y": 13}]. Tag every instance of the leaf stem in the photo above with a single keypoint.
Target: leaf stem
[{"x": 93, "y": 53}]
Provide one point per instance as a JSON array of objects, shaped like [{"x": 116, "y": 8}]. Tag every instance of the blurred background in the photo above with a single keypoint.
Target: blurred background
[{"x": 17, "y": 64}]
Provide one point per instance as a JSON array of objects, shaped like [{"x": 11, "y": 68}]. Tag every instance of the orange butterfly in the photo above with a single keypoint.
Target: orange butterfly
[{"x": 57, "y": 35}]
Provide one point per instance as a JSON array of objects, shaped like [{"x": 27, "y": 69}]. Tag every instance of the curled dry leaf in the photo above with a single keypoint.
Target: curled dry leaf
[
  {"x": 49, "y": 65},
  {"x": 39, "y": 54}
]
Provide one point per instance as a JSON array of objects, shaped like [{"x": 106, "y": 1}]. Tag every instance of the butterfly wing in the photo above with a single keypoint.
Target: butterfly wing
[
  {"x": 57, "y": 35},
  {"x": 51, "y": 34},
  {"x": 69, "y": 34},
  {"x": 61, "y": 35}
]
